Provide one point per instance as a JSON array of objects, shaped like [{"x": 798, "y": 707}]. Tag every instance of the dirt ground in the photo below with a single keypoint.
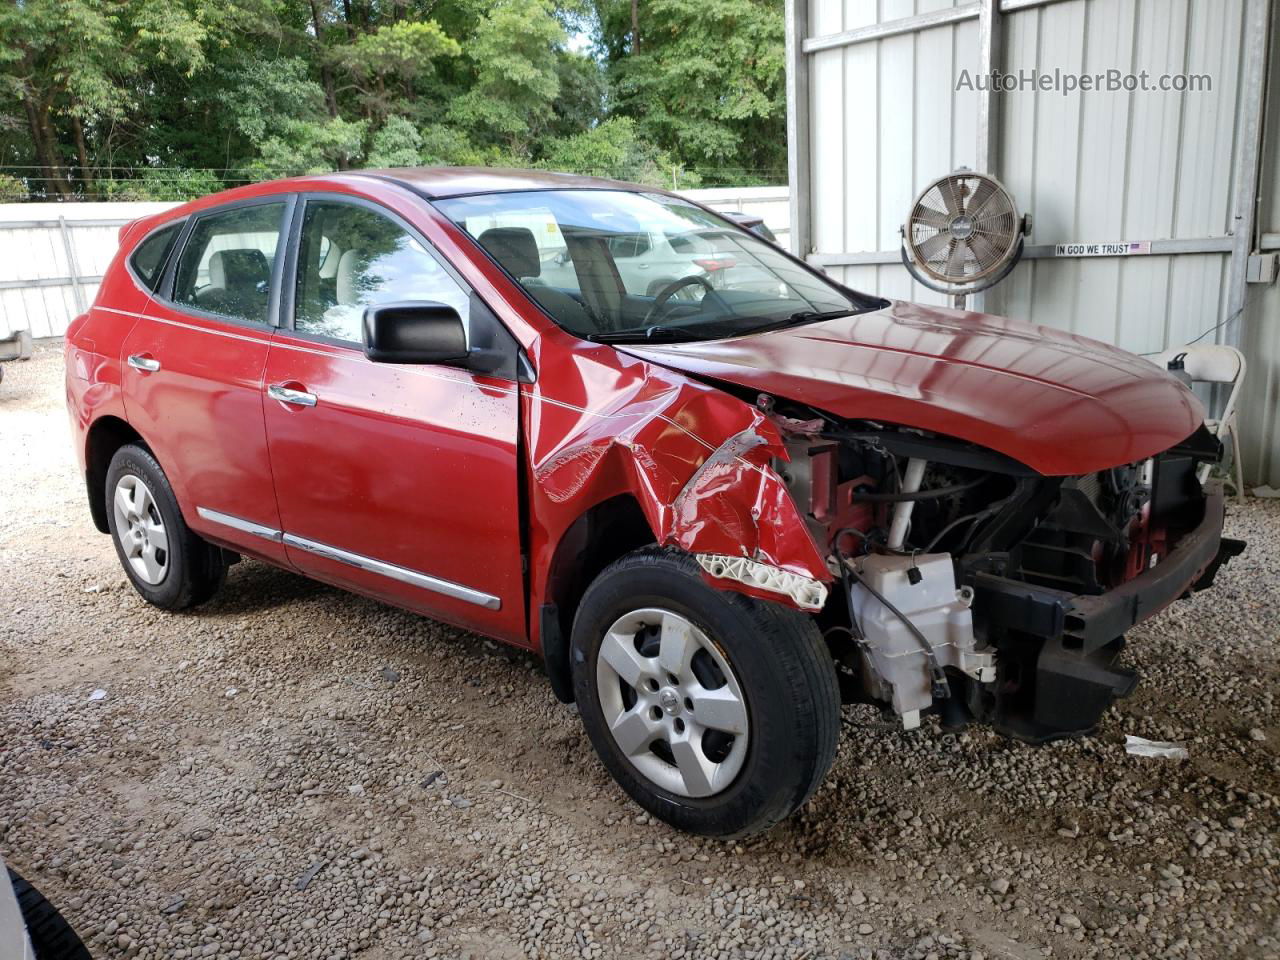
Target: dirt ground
[{"x": 293, "y": 771}]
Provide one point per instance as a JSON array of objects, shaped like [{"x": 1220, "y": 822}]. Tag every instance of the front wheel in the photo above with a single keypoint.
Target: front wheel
[
  {"x": 52, "y": 938},
  {"x": 716, "y": 712}
]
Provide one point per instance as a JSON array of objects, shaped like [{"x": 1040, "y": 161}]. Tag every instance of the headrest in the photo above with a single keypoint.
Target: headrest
[
  {"x": 515, "y": 249},
  {"x": 237, "y": 269},
  {"x": 345, "y": 280}
]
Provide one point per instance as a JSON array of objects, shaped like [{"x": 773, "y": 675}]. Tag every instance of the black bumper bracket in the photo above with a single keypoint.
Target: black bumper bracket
[{"x": 1087, "y": 622}]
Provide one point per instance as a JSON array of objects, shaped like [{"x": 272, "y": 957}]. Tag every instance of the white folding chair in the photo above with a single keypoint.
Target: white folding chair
[{"x": 1213, "y": 363}]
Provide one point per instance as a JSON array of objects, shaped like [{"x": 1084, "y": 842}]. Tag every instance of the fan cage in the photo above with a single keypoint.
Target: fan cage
[{"x": 963, "y": 228}]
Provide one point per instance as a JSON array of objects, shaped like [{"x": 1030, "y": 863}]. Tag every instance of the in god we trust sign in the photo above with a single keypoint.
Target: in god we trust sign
[{"x": 1102, "y": 249}]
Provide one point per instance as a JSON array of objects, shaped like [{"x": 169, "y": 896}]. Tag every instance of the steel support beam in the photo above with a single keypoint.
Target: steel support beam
[
  {"x": 799, "y": 145},
  {"x": 1244, "y": 189},
  {"x": 50, "y": 224},
  {"x": 70, "y": 250},
  {"x": 890, "y": 28},
  {"x": 990, "y": 58},
  {"x": 47, "y": 282},
  {"x": 922, "y": 21},
  {"x": 1043, "y": 251},
  {"x": 1013, "y": 6}
]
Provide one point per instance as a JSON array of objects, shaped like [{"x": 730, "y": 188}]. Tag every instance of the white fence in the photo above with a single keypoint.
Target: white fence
[
  {"x": 773, "y": 204},
  {"x": 53, "y": 255}
]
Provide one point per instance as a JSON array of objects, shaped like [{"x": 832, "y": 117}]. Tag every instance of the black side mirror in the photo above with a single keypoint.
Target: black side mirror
[{"x": 414, "y": 332}]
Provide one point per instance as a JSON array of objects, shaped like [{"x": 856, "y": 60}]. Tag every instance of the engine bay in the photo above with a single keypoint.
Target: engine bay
[{"x": 974, "y": 587}]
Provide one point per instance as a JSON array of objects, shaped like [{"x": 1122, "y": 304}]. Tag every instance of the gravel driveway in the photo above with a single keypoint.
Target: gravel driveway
[{"x": 292, "y": 771}]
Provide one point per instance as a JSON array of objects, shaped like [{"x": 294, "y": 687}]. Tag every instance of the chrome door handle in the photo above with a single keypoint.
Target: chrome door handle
[
  {"x": 142, "y": 362},
  {"x": 298, "y": 398}
]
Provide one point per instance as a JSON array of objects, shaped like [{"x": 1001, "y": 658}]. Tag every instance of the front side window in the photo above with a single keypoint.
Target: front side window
[
  {"x": 350, "y": 258},
  {"x": 225, "y": 266},
  {"x": 616, "y": 265},
  {"x": 149, "y": 259}
]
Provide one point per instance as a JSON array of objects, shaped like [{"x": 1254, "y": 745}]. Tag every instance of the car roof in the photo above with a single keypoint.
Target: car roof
[
  {"x": 440, "y": 182},
  {"x": 434, "y": 183}
]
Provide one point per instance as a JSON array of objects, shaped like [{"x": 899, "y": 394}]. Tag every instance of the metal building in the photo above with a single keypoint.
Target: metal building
[{"x": 884, "y": 96}]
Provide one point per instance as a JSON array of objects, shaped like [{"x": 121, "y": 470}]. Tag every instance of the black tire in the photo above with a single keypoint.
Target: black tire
[
  {"x": 51, "y": 936},
  {"x": 195, "y": 567},
  {"x": 784, "y": 669}
]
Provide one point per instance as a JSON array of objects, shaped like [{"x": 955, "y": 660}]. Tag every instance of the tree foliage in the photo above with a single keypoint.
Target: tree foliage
[
  {"x": 170, "y": 98},
  {"x": 514, "y": 52},
  {"x": 706, "y": 79}
]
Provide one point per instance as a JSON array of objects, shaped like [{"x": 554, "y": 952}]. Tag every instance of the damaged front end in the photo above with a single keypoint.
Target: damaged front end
[{"x": 978, "y": 588}]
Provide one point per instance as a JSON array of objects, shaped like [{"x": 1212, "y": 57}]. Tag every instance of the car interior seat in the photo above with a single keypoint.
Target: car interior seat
[
  {"x": 516, "y": 251},
  {"x": 343, "y": 320},
  {"x": 239, "y": 284}
]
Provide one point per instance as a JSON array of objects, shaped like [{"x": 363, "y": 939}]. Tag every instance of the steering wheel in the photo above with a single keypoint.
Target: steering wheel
[{"x": 670, "y": 290}]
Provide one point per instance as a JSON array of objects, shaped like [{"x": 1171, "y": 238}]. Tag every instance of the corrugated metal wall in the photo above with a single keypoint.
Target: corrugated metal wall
[
  {"x": 885, "y": 118},
  {"x": 1114, "y": 166}
]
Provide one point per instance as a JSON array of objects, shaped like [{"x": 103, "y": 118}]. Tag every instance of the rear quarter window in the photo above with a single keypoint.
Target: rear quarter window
[
  {"x": 149, "y": 259},
  {"x": 226, "y": 262}
]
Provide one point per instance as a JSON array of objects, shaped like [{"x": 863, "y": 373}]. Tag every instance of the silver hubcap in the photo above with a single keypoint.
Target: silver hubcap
[
  {"x": 140, "y": 529},
  {"x": 672, "y": 703}
]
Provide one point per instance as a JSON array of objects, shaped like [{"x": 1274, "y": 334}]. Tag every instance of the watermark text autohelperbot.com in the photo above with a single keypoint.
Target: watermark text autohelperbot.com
[{"x": 1067, "y": 83}]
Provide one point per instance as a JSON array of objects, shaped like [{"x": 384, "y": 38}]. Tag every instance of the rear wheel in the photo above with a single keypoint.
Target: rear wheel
[
  {"x": 170, "y": 566},
  {"x": 716, "y": 712}
]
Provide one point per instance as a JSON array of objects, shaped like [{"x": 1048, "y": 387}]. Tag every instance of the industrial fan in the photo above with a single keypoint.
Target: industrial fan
[{"x": 964, "y": 234}]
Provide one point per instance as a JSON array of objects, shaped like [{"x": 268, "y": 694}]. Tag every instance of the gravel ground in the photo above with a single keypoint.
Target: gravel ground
[{"x": 292, "y": 771}]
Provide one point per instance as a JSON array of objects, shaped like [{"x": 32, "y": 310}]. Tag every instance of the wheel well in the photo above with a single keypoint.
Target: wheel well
[
  {"x": 600, "y": 536},
  {"x": 106, "y": 436}
]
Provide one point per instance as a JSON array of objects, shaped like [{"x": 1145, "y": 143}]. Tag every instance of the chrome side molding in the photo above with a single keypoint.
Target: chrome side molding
[
  {"x": 235, "y": 523},
  {"x": 412, "y": 577}
]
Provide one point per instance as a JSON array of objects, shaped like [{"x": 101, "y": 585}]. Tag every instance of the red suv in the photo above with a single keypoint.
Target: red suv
[{"x": 717, "y": 510}]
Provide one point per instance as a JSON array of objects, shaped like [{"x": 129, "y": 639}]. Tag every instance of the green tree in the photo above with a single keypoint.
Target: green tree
[
  {"x": 279, "y": 111},
  {"x": 384, "y": 65},
  {"x": 67, "y": 64},
  {"x": 514, "y": 51},
  {"x": 613, "y": 149},
  {"x": 583, "y": 90},
  {"x": 397, "y": 144},
  {"x": 174, "y": 97},
  {"x": 705, "y": 81}
]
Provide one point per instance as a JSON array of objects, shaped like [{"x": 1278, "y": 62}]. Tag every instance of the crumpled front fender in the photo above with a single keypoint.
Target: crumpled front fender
[{"x": 695, "y": 459}]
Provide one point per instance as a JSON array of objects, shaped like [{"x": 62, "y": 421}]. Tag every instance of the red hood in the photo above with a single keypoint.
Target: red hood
[{"x": 1059, "y": 403}]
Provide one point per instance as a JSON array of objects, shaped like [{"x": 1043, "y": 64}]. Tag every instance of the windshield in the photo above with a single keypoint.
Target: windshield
[{"x": 615, "y": 265}]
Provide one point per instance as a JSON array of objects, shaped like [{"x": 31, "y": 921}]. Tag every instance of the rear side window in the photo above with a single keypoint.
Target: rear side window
[
  {"x": 626, "y": 245},
  {"x": 225, "y": 266},
  {"x": 149, "y": 259}
]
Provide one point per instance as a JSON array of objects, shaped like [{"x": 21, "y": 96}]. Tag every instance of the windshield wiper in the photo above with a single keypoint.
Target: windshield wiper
[
  {"x": 644, "y": 335},
  {"x": 684, "y": 334},
  {"x": 799, "y": 317}
]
